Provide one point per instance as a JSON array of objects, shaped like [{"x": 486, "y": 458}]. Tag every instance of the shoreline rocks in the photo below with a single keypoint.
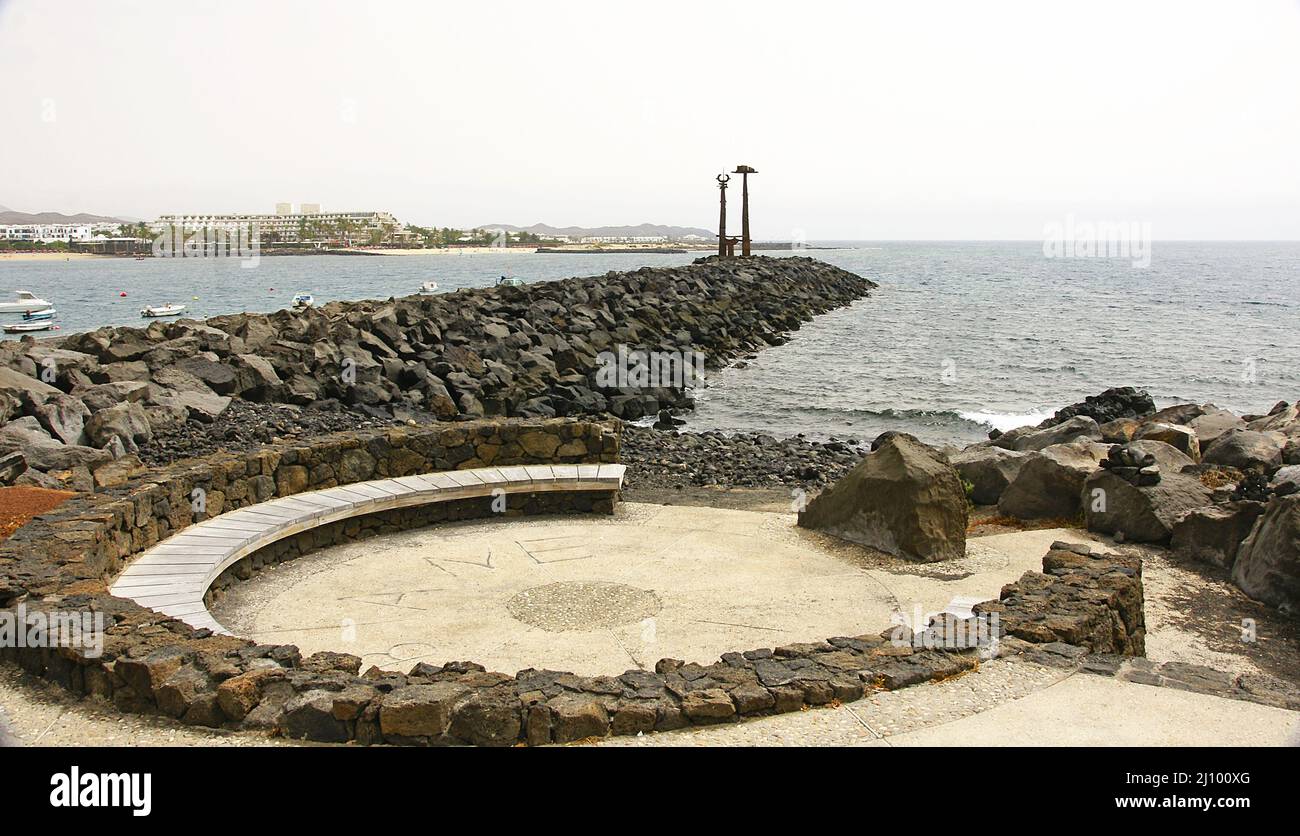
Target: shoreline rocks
[{"x": 622, "y": 344}]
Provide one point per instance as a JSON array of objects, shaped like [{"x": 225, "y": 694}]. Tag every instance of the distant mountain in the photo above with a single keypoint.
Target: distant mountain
[
  {"x": 638, "y": 231},
  {"x": 9, "y": 216}
]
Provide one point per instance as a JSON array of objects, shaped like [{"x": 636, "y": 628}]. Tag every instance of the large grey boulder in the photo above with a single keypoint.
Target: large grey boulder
[
  {"x": 1183, "y": 413},
  {"x": 1283, "y": 418},
  {"x": 1286, "y": 481},
  {"x": 26, "y": 431},
  {"x": 1247, "y": 449},
  {"x": 1168, "y": 459},
  {"x": 12, "y": 465},
  {"x": 61, "y": 360},
  {"x": 1119, "y": 431},
  {"x": 44, "y": 452},
  {"x": 1050, "y": 481},
  {"x": 127, "y": 422},
  {"x": 904, "y": 499},
  {"x": 218, "y": 376},
  {"x": 1078, "y": 428},
  {"x": 11, "y": 405},
  {"x": 990, "y": 470},
  {"x": 1178, "y": 436},
  {"x": 171, "y": 377},
  {"x": 132, "y": 370},
  {"x": 17, "y": 383},
  {"x": 64, "y": 417},
  {"x": 1213, "y": 423},
  {"x": 1268, "y": 561},
  {"x": 1146, "y": 514},
  {"x": 1214, "y": 534},
  {"x": 256, "y": 378},
  {"x": 104, "y": 395},
  {"x": 204, "y": 407},
  {"x": 1291, "y": 452}
]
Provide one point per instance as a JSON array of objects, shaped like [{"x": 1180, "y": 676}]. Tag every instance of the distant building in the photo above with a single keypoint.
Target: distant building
[
  {"x": 284, "y": 208},
  {"x": 300, "y": 227},
  {"x": 45, "y": 233},
  {"x": 625, "y": 239}
]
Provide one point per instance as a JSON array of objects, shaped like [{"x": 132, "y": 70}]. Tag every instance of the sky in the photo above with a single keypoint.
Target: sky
[{"x": 865, "y": 120}]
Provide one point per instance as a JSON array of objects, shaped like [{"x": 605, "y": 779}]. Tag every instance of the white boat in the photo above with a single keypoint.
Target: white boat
[
  {"x": 34, "y": 316},
  {"x": 28, "y": 327},
  {"x": 24, "y": 302},
  {"x": 429, "y": 287},
  {"x": 303, "y": 300},
  {"x": 161, "y": 310},
  {"x": 509, "y": 281}
]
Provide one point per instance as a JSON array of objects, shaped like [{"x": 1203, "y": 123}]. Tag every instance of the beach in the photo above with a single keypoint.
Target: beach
[{"x": 5, "y": 257}]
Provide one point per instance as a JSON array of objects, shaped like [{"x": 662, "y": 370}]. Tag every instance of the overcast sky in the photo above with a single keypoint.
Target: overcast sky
[{"x": 866, "y": 120}]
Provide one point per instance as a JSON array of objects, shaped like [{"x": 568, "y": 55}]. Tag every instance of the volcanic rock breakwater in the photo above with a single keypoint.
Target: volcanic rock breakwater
[{"x": 535, "y": 350}]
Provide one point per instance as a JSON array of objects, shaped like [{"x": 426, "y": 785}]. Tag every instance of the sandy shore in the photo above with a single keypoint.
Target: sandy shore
[
  {"x": 448, "y": 251},
  {"x": 52, "y": 256}
]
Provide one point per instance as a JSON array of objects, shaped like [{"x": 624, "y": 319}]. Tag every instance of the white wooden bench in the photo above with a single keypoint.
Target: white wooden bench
[{"x": 172, "y": 577}]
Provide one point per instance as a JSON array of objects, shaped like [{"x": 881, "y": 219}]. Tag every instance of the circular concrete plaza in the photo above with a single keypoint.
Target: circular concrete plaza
[{"x": 600, "y": 595}]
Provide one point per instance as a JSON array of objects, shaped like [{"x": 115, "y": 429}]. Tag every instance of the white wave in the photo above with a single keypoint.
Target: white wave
[{"x": 1004, "y": 421}]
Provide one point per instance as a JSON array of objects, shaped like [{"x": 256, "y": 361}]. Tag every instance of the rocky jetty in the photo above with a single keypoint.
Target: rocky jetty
[{"x": 622, "y": 344}]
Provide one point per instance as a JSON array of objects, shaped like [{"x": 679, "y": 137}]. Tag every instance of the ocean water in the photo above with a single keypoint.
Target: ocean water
[
  {"x": 960, "y": 337},
  {"x": 963, "y": 337}
]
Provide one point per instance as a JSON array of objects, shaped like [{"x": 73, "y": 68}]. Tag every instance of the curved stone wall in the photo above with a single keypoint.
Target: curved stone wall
[{"x": 151, "y": 663}]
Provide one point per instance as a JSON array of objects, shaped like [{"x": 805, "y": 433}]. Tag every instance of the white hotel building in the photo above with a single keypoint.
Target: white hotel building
[
  {"x": 286, "y": 226},
  {"x": 46, "y": 233}
]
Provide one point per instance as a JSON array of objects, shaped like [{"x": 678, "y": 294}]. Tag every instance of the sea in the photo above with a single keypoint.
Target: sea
[{"x": 960, "y": 338}]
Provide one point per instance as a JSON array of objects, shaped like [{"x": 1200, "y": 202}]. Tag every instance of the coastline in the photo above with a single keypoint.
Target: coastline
[
  {"x": 432, "y": 251},
  {"x": 54, "y": 256}
]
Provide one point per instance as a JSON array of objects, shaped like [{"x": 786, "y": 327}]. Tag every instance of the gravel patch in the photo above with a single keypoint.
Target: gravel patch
[
  {"x": 246, "y": 426},
  {"x": 582, "y": 605},
  {"x": 34, "y": 712},
  {"x": 19, "y": 504}
]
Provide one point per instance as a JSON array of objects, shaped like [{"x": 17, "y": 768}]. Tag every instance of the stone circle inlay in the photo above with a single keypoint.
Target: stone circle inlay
[{"x": 582, "y": 605}]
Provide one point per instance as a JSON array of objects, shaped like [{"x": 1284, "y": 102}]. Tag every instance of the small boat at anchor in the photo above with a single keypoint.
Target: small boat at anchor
[
  {"x": 161, "y": 310},
  {"x": 29, "y": 327},
  {"x": 428, "y": 287},
  {"x": 36, "y": 316},
  {"x": 509, "y": 281},
  {"x": 25, "y": 302},
  {"x": 304, "y": 300}
]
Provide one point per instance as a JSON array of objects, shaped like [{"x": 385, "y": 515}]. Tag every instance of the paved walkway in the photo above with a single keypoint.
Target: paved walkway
[
  {"x": 1011, "y": 703},
  {"x": 599, "y": 595},
  {"x": 1005, "y": 703},
  {"x": 603, "y": 595}
]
